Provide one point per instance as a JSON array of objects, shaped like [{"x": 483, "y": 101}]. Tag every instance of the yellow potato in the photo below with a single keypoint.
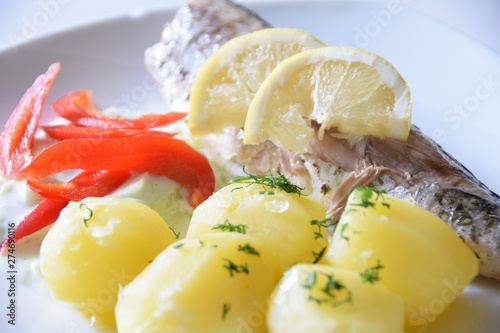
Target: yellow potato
[
  {"x": 97, "y": 246},
  {"x": 320, "y": 298},
  {"x": 423, "y": 260},
  {"x": 215, "y": 283},
  {"x": 286, "y": 223}
]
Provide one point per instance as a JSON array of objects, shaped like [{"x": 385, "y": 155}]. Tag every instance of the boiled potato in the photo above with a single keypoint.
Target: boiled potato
[
  {"x": 97, "y": 246},
  {"x": 286, "y": 223},
  {"x": 215, "y": 283},
  {"x": 423, "y": 260},
  {"x": 320, "y": 298}
]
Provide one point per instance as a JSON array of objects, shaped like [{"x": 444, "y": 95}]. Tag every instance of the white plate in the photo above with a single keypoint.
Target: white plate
[{"x": 455, "y": 84}]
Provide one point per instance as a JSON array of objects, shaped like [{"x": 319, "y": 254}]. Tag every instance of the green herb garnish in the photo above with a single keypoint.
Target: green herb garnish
[
  {"x": 310, "y": 280},
  {"x": 342, "y": 230},
  {"x": 318, "y": 255},
  {"x": 366, "y": 194},
  {"x": 227, "y": 226},
  {"x": 371, "y": 274},
  {"x": 278, "y": 182},
  {"x": 320, "y": 224},
  {"x": 176, "y": 234},
  {"x": 247, "y": 248},
  {"x": 332, "y": 291},
  {"x": 233, "y": 268},
  {"x": 88, "y": 211},
  {"x": 349, "y": 210},
  {"x": 225, "y": 309},
  {"x": 332, "y": 285}
]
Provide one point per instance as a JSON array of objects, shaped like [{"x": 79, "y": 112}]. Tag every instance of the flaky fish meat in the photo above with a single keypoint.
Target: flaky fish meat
[{"x": 418, "y": 169}]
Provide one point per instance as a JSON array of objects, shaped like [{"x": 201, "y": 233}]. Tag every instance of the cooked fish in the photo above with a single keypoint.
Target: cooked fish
[
  {"x": 418, "y": 169},
  {"x": 189, "y": 39}
]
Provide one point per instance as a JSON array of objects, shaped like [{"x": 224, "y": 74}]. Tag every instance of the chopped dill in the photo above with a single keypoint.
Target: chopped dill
[
  {"x": 233, "y": 268},
  {"x": 247, "y": 248},
  {"x": 366, "y": 194},
  {"x": 332, "y": 285},
  {"x": 350, "y": 210},
  {"x": 176, "y": 234},
  {"x": 332, "y": 290},
  {"x": 278, "y": 182},
  {"x": 88, "y": 211},
  {"x": 310, "y": 280},
  {"x": 264, "y": 191},
  {"x": 237, "y": 188},
  {"x": 321, "y": 223},
  {"x": 317, "y": 235},
  {"x": 317, "y": 300},
  {"x": 342, "y": 230},
  {"x": 371, "y": 274},
  {"x": 225, "y": 309},
  {"x": 178, "y": 245},
  {"x": 347, "y": 299},
  {"x": 227, "y": 226},
  {"x": 318, "y": 255}
]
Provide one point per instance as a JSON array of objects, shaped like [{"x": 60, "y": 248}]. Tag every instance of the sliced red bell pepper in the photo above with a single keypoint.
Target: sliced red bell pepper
[
  {"x": 17, "y": 137},
  {"x": 65, "y": 132},
  {"x": 85, "y": 184},
  {"x": 44, "y": 214},
  {"x": 155, "y": 154},
  {"x": 78, "y": 108}
]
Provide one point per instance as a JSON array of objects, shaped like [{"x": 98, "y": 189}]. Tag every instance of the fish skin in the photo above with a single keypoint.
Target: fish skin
[{"x": 418, "y": 168}]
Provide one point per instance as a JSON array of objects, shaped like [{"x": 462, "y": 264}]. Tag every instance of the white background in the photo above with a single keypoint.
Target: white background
[{"x": 27, "y": 19}]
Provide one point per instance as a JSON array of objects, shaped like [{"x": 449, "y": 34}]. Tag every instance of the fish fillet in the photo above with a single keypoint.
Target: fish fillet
[
  {"x": 418, "y": 169},
  {"x": 198, "y": 29}
]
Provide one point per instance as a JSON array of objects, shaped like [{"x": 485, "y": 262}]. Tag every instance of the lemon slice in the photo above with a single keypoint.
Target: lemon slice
[
  {"x": 228, "y": 80},
  {"x": 352, "y": 90}
]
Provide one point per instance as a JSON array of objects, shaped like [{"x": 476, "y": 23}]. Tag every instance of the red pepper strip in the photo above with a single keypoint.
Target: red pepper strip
[
  {"x": 85, "y": 184},
  {"x": 44, "y": 214},
  {"x": 64, "y": 132},
  {"x": 155, "y": 154},
  {"x": 17, "y": 137},
  {"x": 78, "y": 108}
]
